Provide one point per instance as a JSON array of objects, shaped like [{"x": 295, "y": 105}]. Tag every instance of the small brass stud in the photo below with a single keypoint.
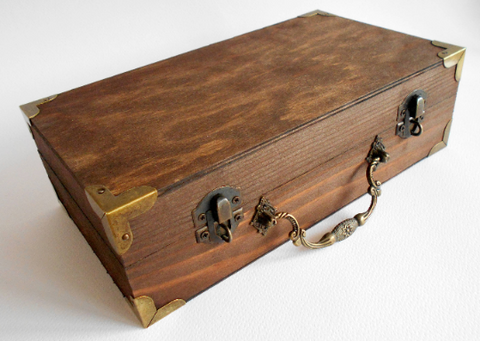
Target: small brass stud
[
  {"x": 101, "y": 191},
  {"x": 126, "y": 236}
]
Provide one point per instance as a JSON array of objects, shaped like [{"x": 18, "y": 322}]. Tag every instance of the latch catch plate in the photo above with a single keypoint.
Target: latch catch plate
[
  {"x": 411, "y": 114},
  {"x": 218, "y": 215}
]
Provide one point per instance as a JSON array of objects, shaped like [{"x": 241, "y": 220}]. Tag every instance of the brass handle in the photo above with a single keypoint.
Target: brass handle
[
  {"x": 344, "y": 229},
  {"x": 267, "y": 217}
]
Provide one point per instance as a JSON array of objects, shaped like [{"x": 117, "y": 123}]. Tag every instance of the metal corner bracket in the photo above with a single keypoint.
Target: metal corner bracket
[
  {"x": 116, "y": 211},
  {"x": 30, "y": 110},
  {"x": 453, "y": 55},
  {"x": 316, "y": 12},
  {"x": 146, "y": 311},
  {"x": 442, "y": 144}
]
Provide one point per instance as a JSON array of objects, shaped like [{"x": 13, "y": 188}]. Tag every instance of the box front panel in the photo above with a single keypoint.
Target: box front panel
[{"x": 182, "y": 268}]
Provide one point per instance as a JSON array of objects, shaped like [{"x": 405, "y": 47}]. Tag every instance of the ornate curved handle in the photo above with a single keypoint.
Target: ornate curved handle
[
  {"x": 344, "y": 229},
  {"x": 266, "y": 215}
]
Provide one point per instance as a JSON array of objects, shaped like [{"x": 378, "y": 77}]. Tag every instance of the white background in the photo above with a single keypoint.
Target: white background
[{"x": 412, "y": 273}]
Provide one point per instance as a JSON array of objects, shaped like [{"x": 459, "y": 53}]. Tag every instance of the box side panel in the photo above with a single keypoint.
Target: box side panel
[
  {"x": 288, "y": 158},
  {"x": 72, "y": 186},
  {"x": 106, "y": 256},
  {"x": 184, "y": 268}
]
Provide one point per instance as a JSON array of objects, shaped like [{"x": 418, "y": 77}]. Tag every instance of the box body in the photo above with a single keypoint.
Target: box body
[{"x": 288, "y": 112}]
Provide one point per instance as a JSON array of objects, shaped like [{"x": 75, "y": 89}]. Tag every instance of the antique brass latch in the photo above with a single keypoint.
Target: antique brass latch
[
  {"x": 217, "y": 215},
  {"x": 410, "y": 114}
]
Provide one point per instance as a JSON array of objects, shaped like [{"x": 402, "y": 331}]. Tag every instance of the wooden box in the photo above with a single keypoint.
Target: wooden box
[{"x": 182, "y": 172}]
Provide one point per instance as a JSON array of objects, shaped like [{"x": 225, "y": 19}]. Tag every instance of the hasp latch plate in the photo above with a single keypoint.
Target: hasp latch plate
[
  {"x": 218, "y": 215},
  {"x": 411, "y": 114}
]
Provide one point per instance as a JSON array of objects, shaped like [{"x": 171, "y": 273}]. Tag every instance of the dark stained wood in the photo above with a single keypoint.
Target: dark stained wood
[
  {"x": 184, "y": 269},
  {"x": 266, "y": 168},
  {"x": 108, "y": 259},
  {"x": 290, "y": 157},
  {"x": 65, "y": 176},
  {"x": 289, "y": 111},
  {"x": 168, "y": 122}
]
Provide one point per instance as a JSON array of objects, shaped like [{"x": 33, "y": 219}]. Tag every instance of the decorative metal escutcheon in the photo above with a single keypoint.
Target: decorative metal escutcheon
[
  {"x": 410, "y": 114},
  {"x": 218, "y": 215},
  {"x": 266, "y": 215}
]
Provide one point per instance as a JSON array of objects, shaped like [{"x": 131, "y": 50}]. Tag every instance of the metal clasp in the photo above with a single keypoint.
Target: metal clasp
[
  {"x": 410, "y": 115},
  {"x": 218, "y": 215}
]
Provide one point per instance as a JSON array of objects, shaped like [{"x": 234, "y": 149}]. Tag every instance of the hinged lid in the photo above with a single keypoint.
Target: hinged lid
[{"x": 165, "y": 124}]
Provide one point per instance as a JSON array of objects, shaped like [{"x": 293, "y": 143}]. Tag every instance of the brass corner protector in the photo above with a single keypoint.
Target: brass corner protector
[
  {"x": 30, "y": 110},
  {"x": 442, "y": 144},
  {"x": 116, "y": 211},
  {"x": 147, "y": 312},
  {"x": 452, "y": 55},
  {"x": 316, "y": 12}
]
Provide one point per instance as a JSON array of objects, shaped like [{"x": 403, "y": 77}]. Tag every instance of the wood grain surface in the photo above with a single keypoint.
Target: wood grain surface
[
  {"x": 289, "y": 112},
  {"x": 96, "y": 242},
  {"x": 175, "y": 120},
  {"x": 185, "y": 268},
  {"x": 270, "y": 167}
]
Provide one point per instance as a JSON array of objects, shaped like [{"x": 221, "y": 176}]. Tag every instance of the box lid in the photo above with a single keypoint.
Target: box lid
[{"x": 169, "y": 122}]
